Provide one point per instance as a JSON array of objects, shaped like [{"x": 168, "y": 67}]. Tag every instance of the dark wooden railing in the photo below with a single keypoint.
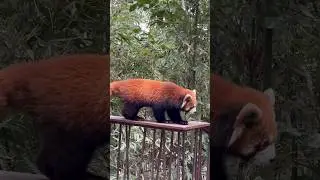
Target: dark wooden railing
[
  {"x": 8, "y": 175},
  {"x": 159, "y": 163},
  {"x": 163, "y": 165}
]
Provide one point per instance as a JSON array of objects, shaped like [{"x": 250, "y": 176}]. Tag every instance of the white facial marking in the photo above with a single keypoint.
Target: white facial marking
[
  {"x": 183, "y": 104},
  {"x": 264, "y": 157},
  {"x": 235, "y": 135},
  {"x": 193, "y": 110},
  {"x": 185, "y": 100}
]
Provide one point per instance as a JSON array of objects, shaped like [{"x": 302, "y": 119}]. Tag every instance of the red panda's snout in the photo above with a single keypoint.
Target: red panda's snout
[
  {"x": 254, "y": 147},
  {"x": 189, "y": 103}
]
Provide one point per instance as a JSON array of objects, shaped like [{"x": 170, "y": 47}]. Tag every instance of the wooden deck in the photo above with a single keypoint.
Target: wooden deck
[{"x": 192, "y": 125}]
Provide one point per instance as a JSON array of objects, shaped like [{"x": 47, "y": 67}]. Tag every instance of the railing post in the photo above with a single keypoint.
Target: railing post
[
  {"x": 127, "y": 151},
  {"x": 153, "y": 153}
]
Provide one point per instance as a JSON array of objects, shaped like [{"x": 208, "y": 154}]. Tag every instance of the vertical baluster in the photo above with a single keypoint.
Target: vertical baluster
[
  {"x": 183, "y": 154},
  {"x": 171, "y": 154},
  {"x": 127, "y": 151},
  {"x": 153, "y": 153},
  {"x": 199, "y": 157},
  {"x": 119, "y": 147},
  {"x": 178, "y": 157},
  {"x": 159, "y": 159},
  {"x": 142, "y": 153},
  {"x": 195, "y": 155}
]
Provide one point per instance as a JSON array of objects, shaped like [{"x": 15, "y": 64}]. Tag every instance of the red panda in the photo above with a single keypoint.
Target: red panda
[
  {"x": 255, "y": 128},
  {"x": 66, "y": 96},
  {"x": 161, "y": 96}
]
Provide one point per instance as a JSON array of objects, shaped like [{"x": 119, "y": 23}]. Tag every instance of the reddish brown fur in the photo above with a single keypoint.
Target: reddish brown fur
[
  {"x": 148, "y": 90},
  {"x": 159, "y": 95},
  {"x": 226, "y": 96},
  {"x": 66, "y": 96}
]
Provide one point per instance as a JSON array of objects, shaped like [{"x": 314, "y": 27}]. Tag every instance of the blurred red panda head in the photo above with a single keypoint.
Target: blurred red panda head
[{"x": 255, "y": 131}]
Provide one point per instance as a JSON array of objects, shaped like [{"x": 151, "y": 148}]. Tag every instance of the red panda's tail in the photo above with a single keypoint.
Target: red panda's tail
[{"x": 113, "y": 88}]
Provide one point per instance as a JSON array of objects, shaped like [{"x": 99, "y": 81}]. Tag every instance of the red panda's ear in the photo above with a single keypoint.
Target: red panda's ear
[
  {"x": 249, "y": 115},
  {"x": 194, "y": 91},
  {"x": 270, "y": 94},
  {"x": 186, "y": 99}
]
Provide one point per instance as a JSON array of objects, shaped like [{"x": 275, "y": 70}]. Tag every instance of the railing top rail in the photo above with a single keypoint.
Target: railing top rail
[
  {"x": 10, "y": 175},
  {"x": 192, "y": 125}
]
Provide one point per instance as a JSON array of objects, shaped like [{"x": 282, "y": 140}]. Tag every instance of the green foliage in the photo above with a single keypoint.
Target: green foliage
[
  {"x": 155, "y": 39},
  {"x": 36, "y": 29},
  {"x": 162, "y": 13},
  {"x": 18, "y": 145},
  {"x": 142, "y": 49}
]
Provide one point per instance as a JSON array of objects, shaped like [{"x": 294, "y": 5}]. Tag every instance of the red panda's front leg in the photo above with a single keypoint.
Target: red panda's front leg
[{"x": 174, "y": 115}]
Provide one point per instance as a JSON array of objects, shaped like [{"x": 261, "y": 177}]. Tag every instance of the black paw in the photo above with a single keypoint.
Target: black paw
[
  {"x": 131, "y": 118},
  {"x": 162, "y": 121},
  {"x": 138, "y": 118},
  {"x": 183, "y": 122}
]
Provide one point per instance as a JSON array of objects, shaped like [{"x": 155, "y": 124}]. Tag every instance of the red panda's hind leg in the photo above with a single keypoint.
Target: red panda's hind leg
[
  {"x": 59, "y": 165},
  {"x": 174, "y": 115},
  {"x": 65, "y": 155},
  {"x": 130, "y": 111},
  {"x": 159, "y": 114}
]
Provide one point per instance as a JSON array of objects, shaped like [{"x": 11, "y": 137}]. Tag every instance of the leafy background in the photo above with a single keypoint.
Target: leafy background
[{"x": 163, "y": 40}]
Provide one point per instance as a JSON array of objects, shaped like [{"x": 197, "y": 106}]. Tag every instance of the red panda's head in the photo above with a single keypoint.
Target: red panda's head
[
  {"x": 189, "y": 102},
  {"x": 255, "y": 130}
]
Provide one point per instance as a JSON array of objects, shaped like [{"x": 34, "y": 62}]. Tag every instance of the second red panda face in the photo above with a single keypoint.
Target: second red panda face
[
  {"x": 189, "y": 103},
  {"x": 255, "y": 131}
]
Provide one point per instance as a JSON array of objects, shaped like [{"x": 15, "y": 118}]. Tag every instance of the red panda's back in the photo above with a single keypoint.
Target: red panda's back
[
  {"x": 69, "y": 89},
  {"x": 222, "y": 93},
  {"x": 147, "y": 91},
  {"x": 227, "y": 95}
]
